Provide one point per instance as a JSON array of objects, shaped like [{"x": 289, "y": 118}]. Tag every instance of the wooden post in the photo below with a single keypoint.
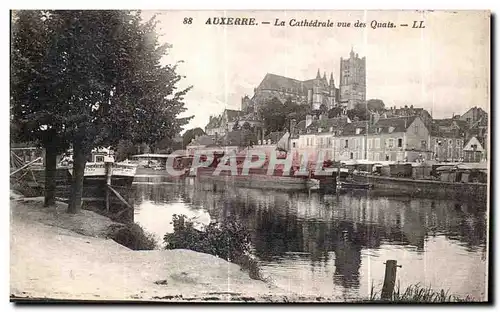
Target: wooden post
[
  {"x": 389, "y": 279},
  {"x": 108, "y": 166}
]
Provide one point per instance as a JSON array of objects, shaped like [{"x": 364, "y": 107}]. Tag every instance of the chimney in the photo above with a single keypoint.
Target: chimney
[{"x": 309, "y": 120}]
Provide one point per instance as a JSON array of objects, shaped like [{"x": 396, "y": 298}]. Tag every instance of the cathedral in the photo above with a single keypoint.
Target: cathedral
[
  {"x": 316, "y": 92},
  {"x": 319, "y": 93}
]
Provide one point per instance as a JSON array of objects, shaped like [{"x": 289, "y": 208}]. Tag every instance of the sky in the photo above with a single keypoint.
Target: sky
[{"x": 444, "y": 67}]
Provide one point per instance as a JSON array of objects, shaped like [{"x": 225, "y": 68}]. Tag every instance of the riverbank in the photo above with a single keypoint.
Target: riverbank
[{"x": 57, "y": 256}]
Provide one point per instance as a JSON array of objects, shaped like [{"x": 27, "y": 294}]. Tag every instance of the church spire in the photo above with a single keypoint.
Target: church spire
[
  {"x": 332, "y": 83},
  {"x": 318, "y": 76},
  {"x": 324, "y": 75},
  {"x": 352, "y": 52}
]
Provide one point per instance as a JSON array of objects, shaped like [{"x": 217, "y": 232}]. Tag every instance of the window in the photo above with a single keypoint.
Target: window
[
  {"x": 423, "y": 145},
  {"x": 390, "y": 143},
  {"x": 370, "y": 143},
  {"x": 450, "y": 142},
  {"x": 358, "y": 130},
  {"x": 391, "y": 129},
  {"x": 352, "y": 155},
  {"x": 377, "y": 143},
  {"x": 400, "y": 142},
  {"x": 416, "y": 128},
  {"x": 346, "y": 143},
  {"x": 293, "y": 144},
  {"x": 458, "y": 143},
  {"x": 99, "y": 158}
]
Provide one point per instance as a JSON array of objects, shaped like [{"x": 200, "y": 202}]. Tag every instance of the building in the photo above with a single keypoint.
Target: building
[
  {"x": 350, "y": 142},
  {"x": 385, "y": 139},
  {"x": 316, "y": 135},
  {"x": 318, "y": 93},
  {"x": 352, "y": 81}
]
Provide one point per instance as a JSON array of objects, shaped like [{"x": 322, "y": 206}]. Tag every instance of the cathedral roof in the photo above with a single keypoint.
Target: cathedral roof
[{"x": 280, "y": 83}]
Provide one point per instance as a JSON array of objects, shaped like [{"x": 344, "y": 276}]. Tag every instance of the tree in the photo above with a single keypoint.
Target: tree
[
  {"x": 323, "y": 109},
  {"x": 190, "y": 134},
  {"x": 35, "y": 90},
  {"x": 375, "y": 105},
  {"x": 124, "y": 150},
  {"x": 359, "y": 111},
  {"x": 101, "y": 79}
]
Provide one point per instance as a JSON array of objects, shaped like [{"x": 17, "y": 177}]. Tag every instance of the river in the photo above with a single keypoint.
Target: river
[{"x": 336, "y": 246}]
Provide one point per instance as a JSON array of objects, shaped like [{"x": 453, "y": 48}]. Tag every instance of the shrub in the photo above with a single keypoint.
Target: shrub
[
  {"x": 134, "y": 237},
  {"x": 228, "y": 240}
]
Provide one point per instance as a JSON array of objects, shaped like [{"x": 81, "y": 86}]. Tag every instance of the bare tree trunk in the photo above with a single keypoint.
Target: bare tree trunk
[
  {"x": 50, "y": 174},
  {"x": 79, "y": 161}
]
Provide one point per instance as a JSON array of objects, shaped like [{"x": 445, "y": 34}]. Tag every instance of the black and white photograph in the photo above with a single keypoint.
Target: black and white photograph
[{"x": 250, "y": 156}]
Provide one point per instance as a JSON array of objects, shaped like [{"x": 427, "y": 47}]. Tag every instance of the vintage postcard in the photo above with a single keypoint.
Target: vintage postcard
[{"x": 250, "y": 156}]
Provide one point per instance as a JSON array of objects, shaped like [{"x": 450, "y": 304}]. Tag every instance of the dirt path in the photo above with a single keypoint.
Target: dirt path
[{"x": 61, "y": 256}]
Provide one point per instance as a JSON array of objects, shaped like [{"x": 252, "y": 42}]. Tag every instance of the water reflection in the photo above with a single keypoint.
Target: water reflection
[{"x": 327, "y": 245}]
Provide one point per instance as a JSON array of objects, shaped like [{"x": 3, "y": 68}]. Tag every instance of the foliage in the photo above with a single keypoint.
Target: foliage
[
  {"x": 133, "y": 236},
  {"x": 335, "y": 112},
  {"x": 228, "y": 240},
  {"x": 418, "y": 294},
  {"x": 375, "y": 105},
  {"x": 277, "y": 115},
  {"x": 359, "y": 111},
  {"x": 124, "y": 150},
  {"x": 190, "y": 134}
]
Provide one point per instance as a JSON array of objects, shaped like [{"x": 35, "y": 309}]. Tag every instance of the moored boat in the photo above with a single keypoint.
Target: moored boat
[{"x": 443, "y": 180}]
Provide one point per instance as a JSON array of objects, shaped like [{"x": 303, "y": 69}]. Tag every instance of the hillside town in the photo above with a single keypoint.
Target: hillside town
[{"x": 406, "y": 133}]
